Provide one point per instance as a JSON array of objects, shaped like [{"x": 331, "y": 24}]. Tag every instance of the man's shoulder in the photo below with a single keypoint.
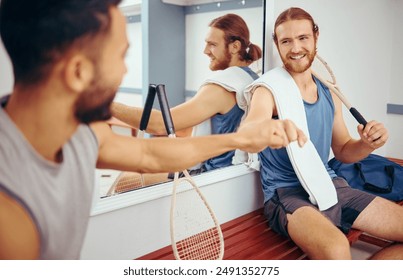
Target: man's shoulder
[
  {"x": 238, "y": 70},
  {"x": 19, "y": 237}
]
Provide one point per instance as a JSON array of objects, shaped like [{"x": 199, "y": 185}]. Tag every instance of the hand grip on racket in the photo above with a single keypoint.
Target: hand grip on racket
[
  {"x": 163, "y": 100},
  {"x": 358, "y": 116},
  {"x": 145, "y": 117}
]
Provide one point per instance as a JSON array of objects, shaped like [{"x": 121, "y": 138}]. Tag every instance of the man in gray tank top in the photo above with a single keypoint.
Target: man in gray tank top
[{"x": 68, "y": 61}]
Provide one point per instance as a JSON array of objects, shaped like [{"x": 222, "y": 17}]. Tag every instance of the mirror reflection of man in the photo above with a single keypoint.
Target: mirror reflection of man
[{"x": 231, "y": 53}]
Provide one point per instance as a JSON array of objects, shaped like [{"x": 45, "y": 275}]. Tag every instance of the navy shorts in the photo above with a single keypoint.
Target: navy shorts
[{"x": 351, "y": 202}]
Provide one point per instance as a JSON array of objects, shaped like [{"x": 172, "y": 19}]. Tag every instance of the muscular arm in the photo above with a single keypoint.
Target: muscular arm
[
  {"x": 174, "y": 154},
  {"x": 209, "y": 100},
  {"x": 19, "y": 238},
  {"x": 262, "y": 108},
  {"x": 157, "y": 154},
  {"x": 347, "y": 149}
]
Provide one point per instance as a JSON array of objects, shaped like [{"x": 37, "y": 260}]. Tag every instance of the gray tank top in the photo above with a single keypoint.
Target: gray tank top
[{"x": 58, "y": 196}]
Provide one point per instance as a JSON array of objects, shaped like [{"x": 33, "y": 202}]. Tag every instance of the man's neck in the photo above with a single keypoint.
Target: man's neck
[
  {"x": 45, "y": 119},
  {"x": 306, "y": 85},
  {"x": 239, "y": 63}
]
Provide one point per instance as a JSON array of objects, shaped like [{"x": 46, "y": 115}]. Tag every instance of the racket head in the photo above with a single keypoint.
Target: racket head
[
  {"x": 195, "y": 231},
  {"x": 324, "y": 73},
  {"x": 126, "y": 181},
  {"x": 323, "y": 70}
]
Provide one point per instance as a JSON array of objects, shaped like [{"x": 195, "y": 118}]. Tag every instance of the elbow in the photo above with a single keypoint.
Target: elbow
[{"x": 157, "y": 131}]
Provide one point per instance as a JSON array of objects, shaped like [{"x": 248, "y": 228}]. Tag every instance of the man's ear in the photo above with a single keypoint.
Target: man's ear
[
  {"x": 235, "y": 47},
  {"x": 79, "y": 72},
  {"x": 316, "y": 35}
]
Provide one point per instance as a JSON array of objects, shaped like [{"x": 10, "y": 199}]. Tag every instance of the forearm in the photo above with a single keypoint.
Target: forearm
[
  {"x": 132, "y": 116},
  {"x": 353, "y": 151},
  {"x": 184, "y": 153},
  {"x": 127, "y": 114},
  {"x": 164, "y": 154},
  {"x": 173, "y": 154}
]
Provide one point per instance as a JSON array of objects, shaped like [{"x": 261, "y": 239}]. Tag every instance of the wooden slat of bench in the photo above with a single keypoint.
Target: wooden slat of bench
[{"x": 258, "y": 241}]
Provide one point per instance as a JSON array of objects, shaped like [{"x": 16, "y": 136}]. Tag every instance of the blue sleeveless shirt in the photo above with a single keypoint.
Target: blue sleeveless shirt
[
  {"x": 226, "y": 123},
  {"x": 276, "y": 170}
]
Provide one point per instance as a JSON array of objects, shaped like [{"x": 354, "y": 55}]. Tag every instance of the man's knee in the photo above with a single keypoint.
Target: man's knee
[{"x": 337, "y": 249}]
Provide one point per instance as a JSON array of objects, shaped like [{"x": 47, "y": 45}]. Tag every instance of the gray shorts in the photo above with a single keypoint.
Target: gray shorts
[{"x": 351, "y": 202}]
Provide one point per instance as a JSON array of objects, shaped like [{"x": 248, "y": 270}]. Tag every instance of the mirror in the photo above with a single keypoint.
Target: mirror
[{"x": 162, "y": 35}]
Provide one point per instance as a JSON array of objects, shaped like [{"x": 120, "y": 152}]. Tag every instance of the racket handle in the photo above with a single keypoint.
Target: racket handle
[
  {"x": 166, "y": 113},
  {"x": 358, "y": 116},
  {"x": 148, "y": 106}
]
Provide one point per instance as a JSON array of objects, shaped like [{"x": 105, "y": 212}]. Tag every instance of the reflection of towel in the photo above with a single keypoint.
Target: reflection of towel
[
  {"x": 233, "y": 79},
  {"x": 306, "y": 162}
]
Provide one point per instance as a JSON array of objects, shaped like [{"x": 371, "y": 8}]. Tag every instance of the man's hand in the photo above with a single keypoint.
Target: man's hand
[
  {"x": 270, "y": 133},
  {"x": 374, "y": 134}
]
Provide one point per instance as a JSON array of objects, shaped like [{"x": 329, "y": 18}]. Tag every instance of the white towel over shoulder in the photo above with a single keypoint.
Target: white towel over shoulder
[
  {"x": 233, "y": 79},
  {"x": 306, "y": 162}
]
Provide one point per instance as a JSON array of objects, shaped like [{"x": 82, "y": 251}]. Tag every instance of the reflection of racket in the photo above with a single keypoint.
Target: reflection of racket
[
  {"x": 145, "y": 117},
  {"x": 127, "y": 181},
  {"x": 324, "y": 73},
  {"x": 195, "y": 231}
]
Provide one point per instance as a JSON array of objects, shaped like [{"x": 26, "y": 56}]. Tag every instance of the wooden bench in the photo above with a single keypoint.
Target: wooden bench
[{"x": 249, "y": 238}]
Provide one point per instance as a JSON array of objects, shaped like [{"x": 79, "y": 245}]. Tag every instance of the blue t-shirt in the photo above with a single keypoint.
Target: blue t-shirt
[
  {"x": 226, "y": 123},
  {"x": 276, "y": 170}
]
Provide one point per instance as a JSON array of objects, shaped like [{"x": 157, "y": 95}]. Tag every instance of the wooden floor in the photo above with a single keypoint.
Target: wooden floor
[{"x": 249, "y": 238}]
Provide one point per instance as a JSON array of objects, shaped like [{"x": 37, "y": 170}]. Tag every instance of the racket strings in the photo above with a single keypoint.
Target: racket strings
[
  {"x": 127, "y": 181},
  {"x": 196, "y": 234},
  {"x": 322, "y": 71},
  {"x": 203, "y": 246}
]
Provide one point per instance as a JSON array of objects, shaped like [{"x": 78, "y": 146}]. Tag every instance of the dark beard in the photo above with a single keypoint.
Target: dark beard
[{"x": 88, "y": 109}]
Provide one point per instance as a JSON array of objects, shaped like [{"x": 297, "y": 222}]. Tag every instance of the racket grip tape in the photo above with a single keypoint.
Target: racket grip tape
[
  {"x": 148, "y": 106},
  {"x": 358, "y": 116},
  {"x": 166, "y": 113}
]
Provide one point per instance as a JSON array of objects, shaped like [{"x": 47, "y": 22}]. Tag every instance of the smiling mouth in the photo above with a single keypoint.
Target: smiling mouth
[{"x": 297, "y": 57}]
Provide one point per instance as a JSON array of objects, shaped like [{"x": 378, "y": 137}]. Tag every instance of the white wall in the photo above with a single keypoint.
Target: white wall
[
  {"x": 134, "y": 60},
  {"x": 359, "y": 40},
  {"x": 197, "y": 63},
  {"x": 134, "y": 63},
  {"x": 396, "y": 96},
  {"x": 6, "y": 72}
]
